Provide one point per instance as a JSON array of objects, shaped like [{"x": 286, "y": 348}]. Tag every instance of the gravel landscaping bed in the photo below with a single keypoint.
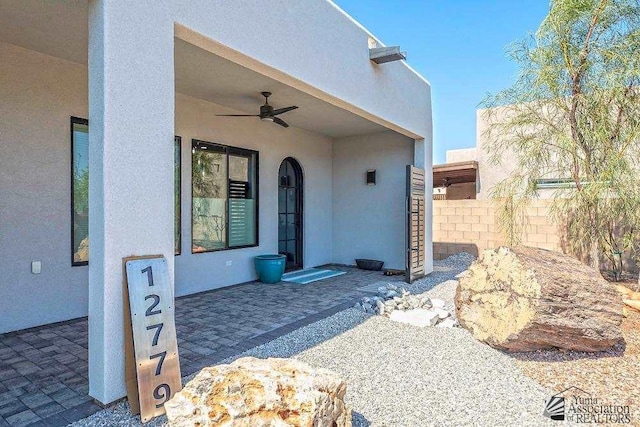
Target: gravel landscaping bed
[
  {"x": 400, "y": 375},
  {"x": 611, "y": 376}
]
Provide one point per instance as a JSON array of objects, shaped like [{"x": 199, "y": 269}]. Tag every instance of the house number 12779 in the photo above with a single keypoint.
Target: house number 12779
[
  {"x": 162, "y": 392},
  {"x": 154, "y": 334}
]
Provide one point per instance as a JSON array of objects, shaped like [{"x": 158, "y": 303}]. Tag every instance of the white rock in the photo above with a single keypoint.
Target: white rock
[
  {"x": 425, "y": 302},
  {"x": 461, "y": 275},
  {"x": 417, "y": 317},
  {"x": 447, "y": 323},
  {"x": 442, "y": 314},
  {"x": 391, "y": 294},
  {"x": 437, "y": 303}
]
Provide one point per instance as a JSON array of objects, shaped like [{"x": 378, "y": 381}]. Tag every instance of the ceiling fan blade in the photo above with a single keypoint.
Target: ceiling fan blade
[
  {"x": 237, "y": 115},
  {"x": 283, "y": 110},
  {"x": 281, "y": 122}
]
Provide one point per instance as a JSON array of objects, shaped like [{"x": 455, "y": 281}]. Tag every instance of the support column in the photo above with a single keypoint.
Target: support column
[
  {"x": 131, "y": 195},
  {"x": 423, "y": 158}
]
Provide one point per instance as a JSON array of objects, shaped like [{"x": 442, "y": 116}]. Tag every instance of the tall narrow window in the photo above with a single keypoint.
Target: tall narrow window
[
  {"x": 177, "y": 180},
  {"x": 225, "y": 194},
  {"x": 79, "y": 191}
]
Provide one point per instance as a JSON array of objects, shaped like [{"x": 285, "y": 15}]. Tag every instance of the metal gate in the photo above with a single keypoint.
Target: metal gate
[{"x": 415, "y": 223}]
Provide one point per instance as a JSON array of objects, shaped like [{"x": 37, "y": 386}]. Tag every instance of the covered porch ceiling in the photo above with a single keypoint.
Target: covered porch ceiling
[
  {"x": 455, "y": 173},
  {"x": 60, "y": 29}
]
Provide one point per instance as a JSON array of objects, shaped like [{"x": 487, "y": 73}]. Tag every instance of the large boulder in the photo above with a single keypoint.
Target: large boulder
[
  {"x": 261, "y": 392},
  {"x": 526, "y": 299}
]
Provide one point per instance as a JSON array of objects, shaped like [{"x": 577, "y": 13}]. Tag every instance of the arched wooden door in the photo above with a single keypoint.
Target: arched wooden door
[{"x": 290, "y": 221}]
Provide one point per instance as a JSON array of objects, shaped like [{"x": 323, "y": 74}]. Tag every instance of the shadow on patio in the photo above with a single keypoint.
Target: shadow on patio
[{"x": 44, "y": 372}]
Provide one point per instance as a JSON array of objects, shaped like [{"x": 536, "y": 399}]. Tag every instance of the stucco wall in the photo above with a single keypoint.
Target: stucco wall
[
  {"x": 325, "y": 48},
  {"x": 38, "y": 94},
  {"x": 463, "y": 191},
  {"x": 196, "y": 119},
  {"x": 489, "y": 174},
  {"x": 462, "y": 155},
  {"x": 369, "y": 221}
]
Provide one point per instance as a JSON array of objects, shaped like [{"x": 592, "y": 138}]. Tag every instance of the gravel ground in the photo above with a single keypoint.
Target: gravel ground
[
  {"x": 610, "y": 376},
  {"x": 400, "y": 375}
]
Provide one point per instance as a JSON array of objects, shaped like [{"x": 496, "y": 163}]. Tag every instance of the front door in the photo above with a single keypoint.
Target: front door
[{"x": 290, "y": 201}]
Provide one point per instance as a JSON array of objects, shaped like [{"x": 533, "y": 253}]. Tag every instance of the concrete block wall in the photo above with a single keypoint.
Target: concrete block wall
[{"x": 472, "y": 226}]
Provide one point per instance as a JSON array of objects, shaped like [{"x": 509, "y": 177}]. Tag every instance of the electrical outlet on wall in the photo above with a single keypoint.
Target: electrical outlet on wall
[
  {"x": 228, "y": 263},
  {"x": 36, "y": 267}
]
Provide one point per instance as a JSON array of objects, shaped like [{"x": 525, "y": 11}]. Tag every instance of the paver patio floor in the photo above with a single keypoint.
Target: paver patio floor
[{"x": 44, "y": 370}]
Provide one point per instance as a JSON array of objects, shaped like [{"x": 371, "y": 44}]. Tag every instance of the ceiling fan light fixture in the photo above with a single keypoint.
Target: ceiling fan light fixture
[{"x": 267, "y": 112}]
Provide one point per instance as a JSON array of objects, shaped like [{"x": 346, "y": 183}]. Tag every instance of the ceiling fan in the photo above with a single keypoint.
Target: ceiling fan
[{"x": 267, "y": 113}]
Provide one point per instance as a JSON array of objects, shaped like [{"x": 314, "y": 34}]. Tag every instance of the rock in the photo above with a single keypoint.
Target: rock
[
  {"x": 392, "y": 287},
  {"x": 382, "y": 290},
  {"x": 425, "y": 302},
  {"x": 391, "y": 294},
  {"x": 442, "y": 314},
  {"x": 366, "y": 307},
  {"x": 527, "y": 299},
  {"x": 417, "y": 317},
  {"x": 437, "y": 303},
  {"x": 461, "y": 275},
  {"x": 82, "y": 254},
  {"x": 447, "y": 323},
  {"x": 261, "y": 392},
  {"x": 632, "y": 303},
  {"x": 628, "y": 293},
  {"x": 380, "y": 307}
]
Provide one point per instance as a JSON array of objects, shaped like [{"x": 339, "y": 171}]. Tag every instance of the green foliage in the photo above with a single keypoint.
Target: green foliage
[
  {"x": 574, "y": 112},
  {"x": 81, "y": 190}
]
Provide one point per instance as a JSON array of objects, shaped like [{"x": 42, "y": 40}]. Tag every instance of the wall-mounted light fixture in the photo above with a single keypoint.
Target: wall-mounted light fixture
[{"x": 371, "y": 177}]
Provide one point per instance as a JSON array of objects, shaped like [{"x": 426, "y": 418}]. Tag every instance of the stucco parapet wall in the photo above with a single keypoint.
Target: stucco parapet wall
[{"x": 326, "y": 55}]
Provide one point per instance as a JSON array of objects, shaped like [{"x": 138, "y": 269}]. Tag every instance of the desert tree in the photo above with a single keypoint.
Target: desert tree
[{"x": 573, "y": 114}]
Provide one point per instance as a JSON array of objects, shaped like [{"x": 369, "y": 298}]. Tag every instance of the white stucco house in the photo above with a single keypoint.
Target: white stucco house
[{"x": 128, "y": 93}]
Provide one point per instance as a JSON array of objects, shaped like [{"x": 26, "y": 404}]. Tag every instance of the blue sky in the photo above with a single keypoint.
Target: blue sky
[{"x": 459, "y": 46}]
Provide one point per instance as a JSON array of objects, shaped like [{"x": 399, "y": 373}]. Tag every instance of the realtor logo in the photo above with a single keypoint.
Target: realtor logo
[
  {"x": 554, "y": 408},
  {"x": 582, "y": 408}
]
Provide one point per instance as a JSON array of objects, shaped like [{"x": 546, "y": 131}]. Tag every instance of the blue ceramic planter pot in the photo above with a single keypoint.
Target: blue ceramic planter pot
[{"x": 270, "y": 268}]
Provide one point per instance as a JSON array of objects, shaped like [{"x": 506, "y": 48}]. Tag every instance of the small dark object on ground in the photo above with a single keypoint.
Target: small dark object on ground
[
  {"x": 392, "y": 272},
  {"x": 369, "y": 264}
]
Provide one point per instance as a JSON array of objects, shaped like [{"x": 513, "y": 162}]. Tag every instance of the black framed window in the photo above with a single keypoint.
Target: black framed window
[
  {"x": 80, "y": 192},
  {"x": 177, "y": 182},
  {"x": 224, "y": 207}
]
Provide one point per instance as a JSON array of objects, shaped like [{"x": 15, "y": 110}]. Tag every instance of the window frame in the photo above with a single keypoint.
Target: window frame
[
  {"x": 230, "y": 150},
  {"x": 177, "y": 140},
  {"x": 554, "y": 183},
  {"x": 85, "y": 122}
]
